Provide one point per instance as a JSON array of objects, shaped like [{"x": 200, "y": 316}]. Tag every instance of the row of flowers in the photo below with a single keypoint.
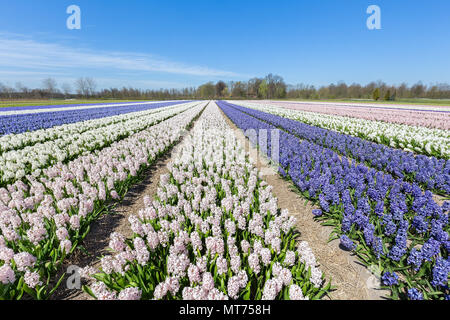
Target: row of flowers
[
  {"x": 213, "y": 232},
  {"x": 421, "y": 140},
  {"x": 390, "y": 224},
  {"x": 7, "y": 111},
  {"x": 422, "y": 118},
  {"x": 429, "y": 172},
  {"x": 29, "y": 138},
  {"x": 68, "y": 144},
  {"x": 44, "y": 218},
  {"x": 10, "y": 124},
  {"x": 382, "y": 106}
]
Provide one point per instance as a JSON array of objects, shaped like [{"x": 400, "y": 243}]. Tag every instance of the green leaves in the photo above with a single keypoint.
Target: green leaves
[{"x": 88, "y": 291}]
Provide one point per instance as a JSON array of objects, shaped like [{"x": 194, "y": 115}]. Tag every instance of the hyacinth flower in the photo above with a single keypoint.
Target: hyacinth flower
[
  {"x": 431, "y": 142},
  {"x": 213, "y": 232},
  {"x": 428, "y": 118},
  {"x": 389, "y": 278},
  {"x": 387, "y": 216},
  {"x": 12, "y": 124},
  {"x": 43, "y": 220},
  {"x": 429, "y": 172},
  {"x": 29, "y": 152},
  {"x": 414, "y": 294},
  {"x": 347, "y": 243}
]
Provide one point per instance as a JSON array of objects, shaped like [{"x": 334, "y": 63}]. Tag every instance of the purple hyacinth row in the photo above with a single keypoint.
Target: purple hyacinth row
[
  {"x": 387, "y": 221},
  {"x": 54, "y": 106},
  {"x": 429, "y": 172},
  {"x": 12, "y": 124}
]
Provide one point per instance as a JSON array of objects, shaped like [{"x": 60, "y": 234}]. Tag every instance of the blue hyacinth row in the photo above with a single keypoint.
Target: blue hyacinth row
[
  {"x": 430, "y": 172},
  {"x": 12, "y": 124}
]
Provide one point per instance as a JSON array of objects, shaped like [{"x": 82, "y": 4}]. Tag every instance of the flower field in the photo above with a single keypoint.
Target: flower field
[
  {"x": 421, "y": 140},
  {"x": 217, "y": 228},
  {"x": 44, "y": 217},
  {"x": 426, "y": 116},
  {"x": 31, "y": 151},
  {"x": 213, "y": 229},
  {"x": 431, "y": 172},
  {"x": 387, "y": 221}
]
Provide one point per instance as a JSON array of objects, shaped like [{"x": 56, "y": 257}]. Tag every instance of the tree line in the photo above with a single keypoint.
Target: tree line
[
  {"x": 270, "y": 87},
  {"x": 374, "y": 90},
  {"x": 84, "y": 88}
]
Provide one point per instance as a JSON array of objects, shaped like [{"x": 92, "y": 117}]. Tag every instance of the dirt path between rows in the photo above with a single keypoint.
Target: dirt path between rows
[{"x": 352, "y": 279}]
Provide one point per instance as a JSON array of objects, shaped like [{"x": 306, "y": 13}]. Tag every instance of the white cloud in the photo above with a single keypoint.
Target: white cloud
[
  {"x": 34, "y": 79},
  {"x": 19, "y": 53}
]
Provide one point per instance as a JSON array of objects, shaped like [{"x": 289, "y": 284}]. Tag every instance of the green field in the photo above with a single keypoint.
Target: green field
[{"x": 22, "y": 103}]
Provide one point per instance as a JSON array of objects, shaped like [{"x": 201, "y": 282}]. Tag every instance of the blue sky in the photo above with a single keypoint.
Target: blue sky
[{"x": 154, "y": 44}]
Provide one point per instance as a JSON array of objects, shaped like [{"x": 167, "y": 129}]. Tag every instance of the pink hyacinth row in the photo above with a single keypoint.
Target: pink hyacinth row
[{"x": 428, "y": 119}]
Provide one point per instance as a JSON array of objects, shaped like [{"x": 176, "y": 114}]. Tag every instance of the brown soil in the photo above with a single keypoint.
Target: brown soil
[
  {"x": 353, "y": 280},
  {"x": 439, "y": 199}
]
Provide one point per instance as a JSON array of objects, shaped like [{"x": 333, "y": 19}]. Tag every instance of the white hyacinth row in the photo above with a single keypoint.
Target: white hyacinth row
[
  {"x": 428, "y": 141},
  {"x": 215, "y": 232},
  {"x": 73, "y": 139},
  {"x": 21, "y": 140},
  {"x": 43, "y": 217},
  {"x": 18, "y": 111}
]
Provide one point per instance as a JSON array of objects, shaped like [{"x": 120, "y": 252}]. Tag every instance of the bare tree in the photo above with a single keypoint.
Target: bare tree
[
  {"x": 22, "y": 89},
  {"x": 91, "y": 86},
  {"x": 66, "y": 88},
  {"x": 49, "y": 85},
  {"x": 220, "y": 88},
  {"x": 418, "y": 90},
  {"x": 86, "y": 86},
  {"x": 2, "y": 88},
  {"x": 7, "y": 91},
  {"x": 81, "y": 86}
]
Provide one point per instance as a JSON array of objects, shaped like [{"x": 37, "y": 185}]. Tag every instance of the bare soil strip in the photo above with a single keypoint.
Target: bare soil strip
[{"x": 352, "y": 279}]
